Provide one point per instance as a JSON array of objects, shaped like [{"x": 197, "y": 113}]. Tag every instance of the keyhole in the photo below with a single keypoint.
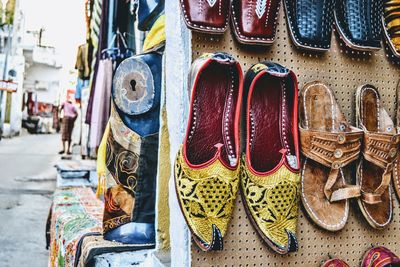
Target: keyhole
[{"x": 133, "y": 85}]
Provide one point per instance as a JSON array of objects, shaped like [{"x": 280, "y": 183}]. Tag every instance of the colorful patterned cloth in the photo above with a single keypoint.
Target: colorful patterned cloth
[{"x": 75, "y": 213}]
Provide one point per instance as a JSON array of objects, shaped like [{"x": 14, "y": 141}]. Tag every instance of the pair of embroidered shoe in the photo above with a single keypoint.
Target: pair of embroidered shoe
[
  {"x": 208, "y": 168},
  {"x": 358, "y": 23},
  {"x": 374, "y": 257},
  {"x": 330, "y": 144},
  {"x": 253, "y": 22}
]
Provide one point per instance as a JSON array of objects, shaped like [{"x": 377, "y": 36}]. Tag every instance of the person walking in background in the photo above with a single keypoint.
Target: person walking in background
[{"x": 68, "y": 121}]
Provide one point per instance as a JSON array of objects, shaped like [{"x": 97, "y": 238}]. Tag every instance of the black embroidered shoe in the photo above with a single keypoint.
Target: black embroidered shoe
[
  {"x": 310, "y": 23},
  {"x": 359, "y": 23}
]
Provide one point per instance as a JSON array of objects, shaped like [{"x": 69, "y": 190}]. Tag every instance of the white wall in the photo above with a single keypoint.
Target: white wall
[{"x": 47, "y": 75}]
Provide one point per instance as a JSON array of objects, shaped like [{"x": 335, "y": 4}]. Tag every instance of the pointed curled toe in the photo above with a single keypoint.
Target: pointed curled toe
[
  {"x": 271, "y": 202},
  {"x": 206, "y": 197}
]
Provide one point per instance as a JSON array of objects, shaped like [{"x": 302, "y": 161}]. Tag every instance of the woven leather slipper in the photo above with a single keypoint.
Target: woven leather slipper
[
  {"x": 255, "y": 22},
  {"x": 359, "y": 23},
  {"x": 391, "y": 25},
  {"x": 329, "y": 144},
  {"x": 208, "y": 16},
  {"x": 374, "y": 171},
  {"x": 380, "y": 257},
  {"x": 310, "y": 23},
  {"x": 207, "y": 165}
]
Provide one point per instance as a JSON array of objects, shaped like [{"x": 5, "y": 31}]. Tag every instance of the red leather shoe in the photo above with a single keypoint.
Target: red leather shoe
[
  {"x": 335, "y": 263},
  {"x": 210, "y": 16},
  {"x": 207, "y": 165},
  {"x": 380, "y": 257},
  {"x": 254, "y": 22}
]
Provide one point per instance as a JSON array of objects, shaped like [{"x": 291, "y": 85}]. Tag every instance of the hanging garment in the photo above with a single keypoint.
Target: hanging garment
[
  {"x": 101, "y": 102},
  {"x": 148, "y": 12},
  {"x": 82, "y": 63},
  {"x": 80, "y": 84},
  {"x": 99, "y": 35}
]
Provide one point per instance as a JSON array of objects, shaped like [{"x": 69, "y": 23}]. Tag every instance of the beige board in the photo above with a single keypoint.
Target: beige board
[{"x": 343, "y": 71}]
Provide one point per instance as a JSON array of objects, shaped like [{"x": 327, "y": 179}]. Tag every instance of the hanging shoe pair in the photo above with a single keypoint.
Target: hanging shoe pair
[
  {"x": 357, "y": 22},
  {"x": 208, "y": 169},
  {"x": 374, "y": 257},
  {"x": 329, "y": 144},
  {"x": 253, "y": 22}
]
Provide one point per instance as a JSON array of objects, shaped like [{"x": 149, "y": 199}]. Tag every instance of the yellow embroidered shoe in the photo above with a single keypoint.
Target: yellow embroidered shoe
[
  {"x": 270, "y": 168},
  {"x": 391, "y": 25},
  {"x": 207, "y": 165}
]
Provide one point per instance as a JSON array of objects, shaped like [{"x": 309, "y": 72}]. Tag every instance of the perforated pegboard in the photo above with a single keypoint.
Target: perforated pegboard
[{"x": 343, "y": 71}]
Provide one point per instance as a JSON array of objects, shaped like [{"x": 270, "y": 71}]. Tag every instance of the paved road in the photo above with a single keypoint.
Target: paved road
[{"x": 27, "y": 179}]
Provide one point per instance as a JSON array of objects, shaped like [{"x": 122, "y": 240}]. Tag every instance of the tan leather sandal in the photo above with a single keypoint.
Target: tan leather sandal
[
  {"x": 329, "y": 144},
  {"x": 374, "y": 171},
  {"x": 396, "y": 169}
]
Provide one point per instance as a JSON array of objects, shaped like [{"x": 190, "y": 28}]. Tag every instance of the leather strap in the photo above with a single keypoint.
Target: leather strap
[
  {"x": 349, "y": 191},
  {"x": 380, "y": 149},
  {"x": 333, "y": 150}
]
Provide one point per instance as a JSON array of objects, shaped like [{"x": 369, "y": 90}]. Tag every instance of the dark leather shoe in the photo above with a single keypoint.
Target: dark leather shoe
[
  {"x": 210, "y": 16},
  {"x": 254, "y": 22},
  {"x": 310, "y": 23},
  {"x": 391, "y": 25},
  {"x": 359, "y": 23}
]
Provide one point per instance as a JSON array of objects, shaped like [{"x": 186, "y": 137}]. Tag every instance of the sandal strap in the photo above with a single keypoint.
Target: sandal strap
[
  {"x": 376, "y": 196},
  {"x": 381, "y": 148},
  {"x": 333, "y": 150},
  {"x": 347, "y": 192}
]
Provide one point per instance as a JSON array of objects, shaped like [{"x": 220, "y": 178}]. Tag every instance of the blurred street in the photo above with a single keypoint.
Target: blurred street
[{"x": 27, "y": 182}]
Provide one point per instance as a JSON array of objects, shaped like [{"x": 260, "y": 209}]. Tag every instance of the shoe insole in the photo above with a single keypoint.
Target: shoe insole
[
  {"x": 213, "y": 113},
  {"x": 271, "y": 126}
]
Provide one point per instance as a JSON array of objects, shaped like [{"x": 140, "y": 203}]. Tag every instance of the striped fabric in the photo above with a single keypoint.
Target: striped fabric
[
  {"x": 392, "y": 24},
  {"x": 95, "y": 27}
]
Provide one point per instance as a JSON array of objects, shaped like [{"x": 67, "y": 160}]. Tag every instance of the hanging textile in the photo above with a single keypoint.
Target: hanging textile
[
  {"x": 156, "y": 35},
  {"x": 75, "y": 212},
  {"x": 101, "y": 102},
  {"x": 99, "y": 32},
  {"x": 82, "y": 64}
]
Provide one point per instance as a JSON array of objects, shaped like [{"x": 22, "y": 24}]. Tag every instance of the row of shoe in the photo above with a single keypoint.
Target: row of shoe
[
  {"x": 330, "y": 144},
  {"x": 209, "y": 168},
  {"x": 374, "y": 257},
  {"x": 359, "y": 23}
]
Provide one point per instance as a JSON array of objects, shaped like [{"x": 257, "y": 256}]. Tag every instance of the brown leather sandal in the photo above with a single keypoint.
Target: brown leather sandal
[
  {"x": 396, "y": 168},
  {"x": 374, "y": 170},
  {"x": 329, "y": 144}
]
